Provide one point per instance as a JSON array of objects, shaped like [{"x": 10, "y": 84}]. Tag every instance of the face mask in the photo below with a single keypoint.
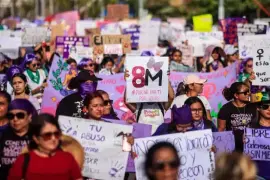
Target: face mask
[{"x": 86, "y": 88}]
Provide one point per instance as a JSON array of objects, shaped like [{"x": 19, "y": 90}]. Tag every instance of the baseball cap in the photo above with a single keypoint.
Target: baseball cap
[{"x": 193, "y": 78}]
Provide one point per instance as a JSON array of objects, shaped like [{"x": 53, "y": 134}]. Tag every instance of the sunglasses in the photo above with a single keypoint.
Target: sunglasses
[
  {"x": 48, "y": 136},
  {"x": 265, "y": 106},
  {"x": 159, "y": 166},
  {"x": 245, "y": 93},
  {"x": 90, "y": 65},
  {"x": 107, "y": 102},
  {"x": 19, "y": 115},
  {"x": 249, "y": 65},
  {"x": 36, "y": 65}
]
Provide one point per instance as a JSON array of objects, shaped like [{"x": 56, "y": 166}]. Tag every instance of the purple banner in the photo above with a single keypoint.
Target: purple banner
[
  {"x": 229, "y": 28},
  {"x": 67, "y": 44},
  {"x": 139, "y": 131},
  {"x": 134, "y": 31}
]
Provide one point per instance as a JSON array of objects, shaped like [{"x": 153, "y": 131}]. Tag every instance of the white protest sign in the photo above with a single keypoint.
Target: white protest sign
[
  {"x": 148, "y": 80},
  {"x": 250, "y": 29},
  {"x": 187, "y": 54},
  {"x": 224, "y": 142},
  {"x": 104, "y": 158},
  {"x": 34, "y": 35},
  {"x": 111, "y": 29},
  {"x": 149, "y": 32},
  {"x": 177, "y": 34},
  {"x": 113, "y": 49},
  {"x": 196, "y": 159},
  {"x": 257, "y": 144},
  {"x": 82, "y": 25},
  {"x": 165, "y": 32},
  {"x": 215, "y": 34},
  {"x": 81, "y": 52},
  {"x": 10, "y": 46}
]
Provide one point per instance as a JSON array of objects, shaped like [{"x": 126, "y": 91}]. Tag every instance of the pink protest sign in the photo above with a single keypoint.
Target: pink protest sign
[{"x": 70, "y": 18}]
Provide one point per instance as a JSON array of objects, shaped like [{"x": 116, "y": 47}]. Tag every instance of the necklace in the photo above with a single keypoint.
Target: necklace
[
  {"x": 244, "y": 121},
  {"x": 262, "y": 123},
  {"x": 32, "y": 76}
]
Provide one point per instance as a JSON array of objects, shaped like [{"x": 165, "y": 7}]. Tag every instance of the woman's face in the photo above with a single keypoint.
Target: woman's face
[
  {"x": 107, "y": 104},
  {"x": 96, "y": 108},
  {"x": 90, "y": 66},
  {"x": 165, "y": 165},
  {"x": 19, "y": 120},
  {"x": 177, "y": 56},
  {"x": 3, "y": 107},
  {"x": 249, "y": 67},
  {"x": 48, "y": 139},
  {"x": 198, "y": 88},
  {"x": 73, "y": 65},
  {"x": 18, "y": 85},
  {"x": 109, "y": 65},
  {"x": 215, "y": 54},
  {"x": 264, "y": 111},
  {"x": 196, "y": 111},
  {"x": 243, "y": 94},
  {"x": 34, "y": 65}
]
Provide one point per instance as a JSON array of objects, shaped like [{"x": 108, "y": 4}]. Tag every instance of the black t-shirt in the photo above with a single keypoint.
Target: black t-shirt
[
  {"x": 71, "y": 105},
  {"x": 11, "y": 146},
  {"x": 237, "y": 119}
]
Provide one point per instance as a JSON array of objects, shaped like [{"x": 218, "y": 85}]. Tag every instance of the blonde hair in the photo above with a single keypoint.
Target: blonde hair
[{"x": 235, "y": 166}]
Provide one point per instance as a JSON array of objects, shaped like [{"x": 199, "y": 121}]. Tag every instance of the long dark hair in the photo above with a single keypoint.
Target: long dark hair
[
  {"x": 89, "y": 97},
  {"x": 228, "y": 93},
  {"x": 151, "y": 154},
  {"x": 181, "y": 89},
  {"x": 36, "y": 125},
  {"x": 23, "y": 77},
  {"x": 192, "y": 100},
  {"x": 6, "y": 95},
  {"x": 106, "y": 60}
]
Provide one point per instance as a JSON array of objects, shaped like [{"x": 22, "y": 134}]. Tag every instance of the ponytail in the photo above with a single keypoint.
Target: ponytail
[
  {"x": 181, "y": 89},
  {"x": 228, "y": 93}
]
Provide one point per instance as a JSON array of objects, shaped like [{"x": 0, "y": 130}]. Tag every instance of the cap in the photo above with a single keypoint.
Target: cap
[{"x": 193, "y": 78}]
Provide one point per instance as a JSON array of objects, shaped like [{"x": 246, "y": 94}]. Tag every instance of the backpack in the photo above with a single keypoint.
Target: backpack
[{"x": 141, "y": 107}]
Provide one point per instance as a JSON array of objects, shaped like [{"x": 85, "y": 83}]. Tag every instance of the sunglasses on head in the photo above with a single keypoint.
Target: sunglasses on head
[
  {"x": 264, "y": 106},
  {"x": 19, "y": 115},
  {"x": 48, "y": 136},
  {"x": 249, "y": 65},
  {"x": 107, "y": 102},
  {"x": 159, "y": 166},
  {"x": 245, "y": 93}
]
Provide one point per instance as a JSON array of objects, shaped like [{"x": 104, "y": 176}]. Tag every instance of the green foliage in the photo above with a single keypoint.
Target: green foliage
[
  {"x": 56, "y": 81},
  {"x": 213, "y": 113}
]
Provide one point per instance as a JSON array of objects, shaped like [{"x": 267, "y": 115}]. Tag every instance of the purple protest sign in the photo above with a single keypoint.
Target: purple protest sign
[
  {"x": 229, "y": 28},
  {"x": 67, "y": 44},
  {"x": 58, "y": 80},
  {"x": 134, "y": 31},
  {"x": 139, "y": 131}
]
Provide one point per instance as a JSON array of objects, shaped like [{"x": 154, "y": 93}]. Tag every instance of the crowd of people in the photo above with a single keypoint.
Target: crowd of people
[{"x": 32, "y": 145}]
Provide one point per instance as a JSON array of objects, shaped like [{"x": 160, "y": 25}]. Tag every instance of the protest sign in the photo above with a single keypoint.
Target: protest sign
[
  {"x": 57, "y": 30},
  {"x": 68, "y": 44},
  {"x": 177, "y": 34},
  {"x": 34, "y": 35},
  {"x": 203, "y": 23},
  {"x": 58, "y": 80},
  {"x": 149, "y": 32},
  {"x": 196, "y": 159},
  {"x": 229, "y": 28},
  {"x": 187, "y": 54},
  {"x": 91, "y": 31},
  {"x": 250, "y": 29},
  {"x": 148, "y": 80},
  {"x": 224, "y": 142},
  {"x": 102, "y": 142},
  {"x": 82, "y": 52},
  {"x": 69, "y": 18},
  {"x": 257, "y": 144},
  {"x": 110, "y": 29},
  {"x": 139, "y": 131},
  {"x": 134, "y": 32},
  {"x": 204, "y": 35},
  {"x": 84, "y": 24},
  {"x": 10, "y": 46},
  {"x": 117, "y": 11},
  {"x": 165, "y": 32}
]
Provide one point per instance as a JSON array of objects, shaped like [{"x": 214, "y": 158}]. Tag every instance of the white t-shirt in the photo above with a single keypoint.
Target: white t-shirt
[
  {"x": 151, "y": 114},
  {"x": 180, "y": 100},
  {"x": 105, "y": 71}
]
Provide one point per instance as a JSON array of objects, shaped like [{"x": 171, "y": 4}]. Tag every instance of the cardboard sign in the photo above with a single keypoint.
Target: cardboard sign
[
  {"x": 117, "y": 11},
  {"x": 57, "y": 30},
  {"x": 91, "y": 31},
  {"x": 224, "y": 142},
  {"x": 203, "y": 23},
  {"x": 257, "y": 144},
  {"x": 148, "y": 81},
  {"x": 33, "y": 36},
  {"x": 250, "y": 29},
  {"x": 104, "y": 157},
  {"x": 66, "y": 45},
  {"x": 196, "y": 159}
]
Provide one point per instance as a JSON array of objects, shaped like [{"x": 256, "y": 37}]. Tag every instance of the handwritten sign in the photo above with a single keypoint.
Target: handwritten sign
[
  {"x": 224, "y": 142},
  {"x": 91, "y": 31},
  {"x": 203, "y": 23},
  {"x": 117, "y": 11},
  {"x": 32, "y": 36},
  {"x": 148, "y": 81},
  {"x": 250, "y": 29},
  {"x": 257, "y": 144},
  {"x": 149, "y": 32},
  {"x": 197, "y": 162},
  {"x": 134, "y": 32},
  {"x": 68, "y": 44},
  {"x": 110, "y": 29},
  {"x": 104, "y": 158},
  {"x": 178, "y": 33},
  {"x": 165, "y": 32},
  {"x": 139, "y": 131},
  {"x": 113, "y": 49},
  {"x": 187, "y": 54}
]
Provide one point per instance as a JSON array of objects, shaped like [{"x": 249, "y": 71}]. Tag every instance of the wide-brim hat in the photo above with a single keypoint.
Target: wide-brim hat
[{"x": 83, "y": 76}]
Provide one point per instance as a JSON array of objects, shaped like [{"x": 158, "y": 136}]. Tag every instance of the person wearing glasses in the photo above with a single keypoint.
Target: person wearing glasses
[
  {"x": 46, "y": 159},
  {"x": 238, "y": 113},
  {"x": 16, "y": 136},
  {"x": 108, "y": 106},
  {"x": 86, "y": 64},
  {"x": 36, "y": 77},
  {"x": 162, "y": 162}
]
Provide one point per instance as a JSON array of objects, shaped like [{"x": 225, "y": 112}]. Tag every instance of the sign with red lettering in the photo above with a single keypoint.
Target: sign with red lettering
[{"x": 148, "y": 80}]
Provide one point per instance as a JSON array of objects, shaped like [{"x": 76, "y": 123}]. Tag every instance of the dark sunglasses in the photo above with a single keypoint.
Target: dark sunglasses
[
  {"x": 159, "y": 166},
  {"x": 249, "y": 65},
  {"x": 19, "y": 115},
  {"x": 107, "y": 102},
  {"x": 265, "y": 106},
  {"x": 36, "y": 65},
  {"x": 48, "y": 136},
  {"x": 90, "y": 65},
  {"x": 245, "y": 93}
]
